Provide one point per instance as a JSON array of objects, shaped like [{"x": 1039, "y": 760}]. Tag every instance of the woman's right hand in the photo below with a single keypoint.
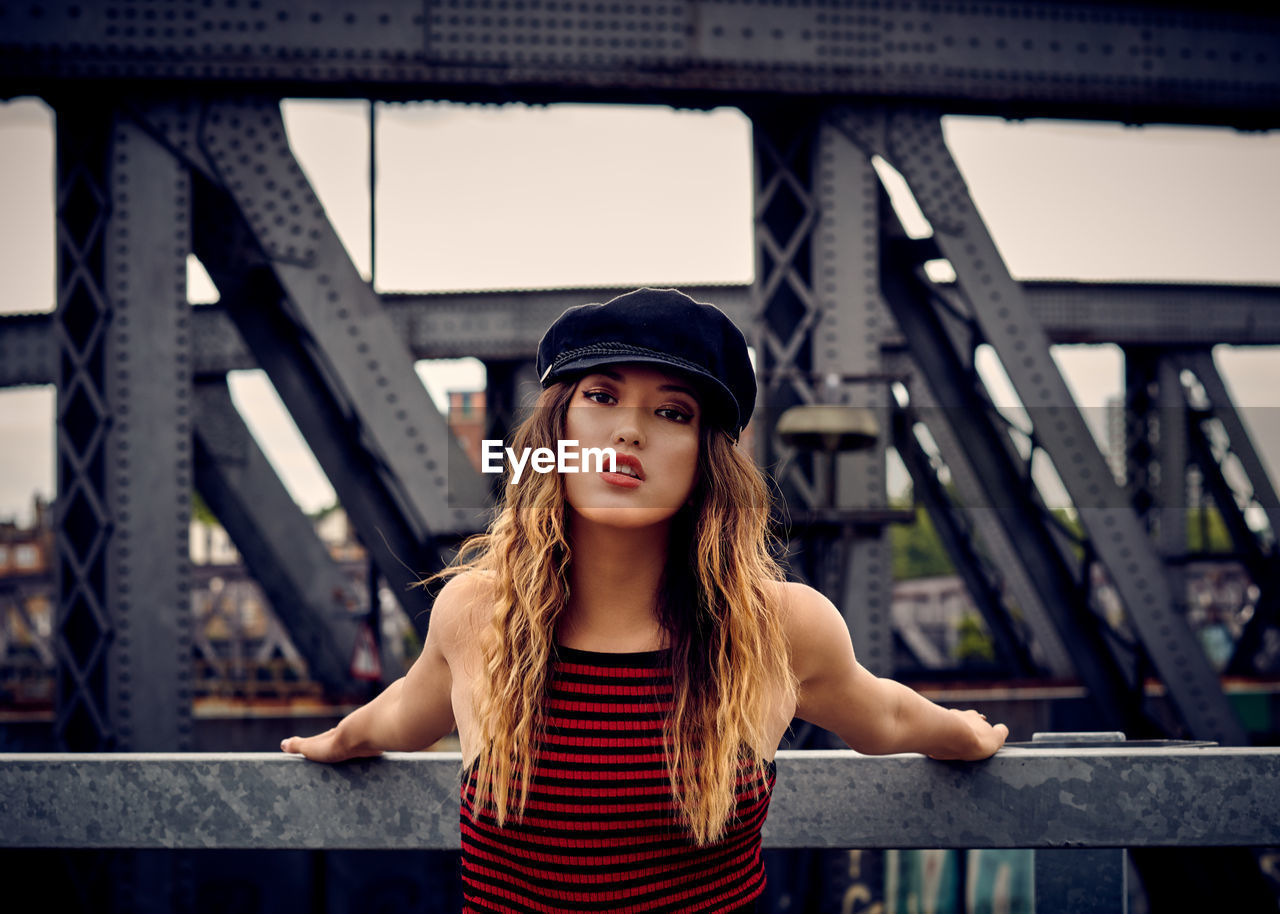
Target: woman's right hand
[{"x": 325, "y": 747}]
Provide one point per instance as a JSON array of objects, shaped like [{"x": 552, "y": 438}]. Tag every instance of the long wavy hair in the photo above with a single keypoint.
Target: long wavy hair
[{"x": 728, "y": 651}]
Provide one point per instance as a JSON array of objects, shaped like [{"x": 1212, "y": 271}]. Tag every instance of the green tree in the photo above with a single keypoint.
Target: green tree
[
  {"x": 974, "y": 643},
  {"x": 917, "y": 550}
]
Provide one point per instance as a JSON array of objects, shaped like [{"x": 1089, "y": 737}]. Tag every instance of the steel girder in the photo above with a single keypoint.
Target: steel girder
[
  {"x": 1013, "y": 650},
  {"x": 846, "y": 360},
  {"x": 985, "y": 535},
  {"x": 1198, "y": 63},
  {"x": 912, "y": 141},
  {"x": 816, "y": 290},
  {"x": 307, "y": 590},
  {"x": 1218, "y": 436},
  {"x": 123, "y": 437},
  {"x": 815, "y": 241},
  {"x": 1000, "y": 489},
  {"x": 322, "y": 336},
  {"x": 506, "y": 325},
  {"x": 123, "y": 619},
  {"x": 1262, "y": 489}
]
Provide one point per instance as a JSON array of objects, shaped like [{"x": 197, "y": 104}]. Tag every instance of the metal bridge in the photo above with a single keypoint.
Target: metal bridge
[{"x": 170, "y": 142}]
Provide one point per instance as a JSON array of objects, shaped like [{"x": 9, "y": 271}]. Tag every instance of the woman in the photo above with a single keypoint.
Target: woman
[{"x": 619, "y": 653}]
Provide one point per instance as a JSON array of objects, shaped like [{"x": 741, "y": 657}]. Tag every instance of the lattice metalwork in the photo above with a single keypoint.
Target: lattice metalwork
[
  {"x": 996, "y": 483},
  {"x": 786, "y": 305},
  {"x": 815, "y": 243},
  {"x": 81, "y": 324},
  {"x": 123, "y": 438}
]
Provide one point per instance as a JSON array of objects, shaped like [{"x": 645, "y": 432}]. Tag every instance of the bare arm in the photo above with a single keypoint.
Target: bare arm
[
  {"x": 874, "y": 716},
  {"x": 411, "y": 713}
]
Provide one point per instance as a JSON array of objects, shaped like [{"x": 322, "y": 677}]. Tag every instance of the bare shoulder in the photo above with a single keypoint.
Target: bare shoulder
[
  {"x": 460, "y": 609},
  {"x": 816, "y": 630},
  {"x": 802, "y": 608}
]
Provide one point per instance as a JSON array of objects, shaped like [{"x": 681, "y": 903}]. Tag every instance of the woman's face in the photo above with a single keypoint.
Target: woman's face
[{"x": 651, "y": 419}]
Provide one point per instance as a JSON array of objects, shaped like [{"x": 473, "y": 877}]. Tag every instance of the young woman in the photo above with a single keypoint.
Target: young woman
[{"x": 619, "y": 653}]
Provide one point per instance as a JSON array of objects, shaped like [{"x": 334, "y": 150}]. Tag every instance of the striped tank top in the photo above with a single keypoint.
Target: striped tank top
[{"x": 601, "y": 830}]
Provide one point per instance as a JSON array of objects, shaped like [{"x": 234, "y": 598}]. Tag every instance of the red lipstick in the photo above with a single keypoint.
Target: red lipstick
[{"x": 622, "y": 478}]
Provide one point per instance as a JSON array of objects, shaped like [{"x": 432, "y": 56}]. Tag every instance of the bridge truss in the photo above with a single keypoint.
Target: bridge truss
[{"x": 170, "y": 142}]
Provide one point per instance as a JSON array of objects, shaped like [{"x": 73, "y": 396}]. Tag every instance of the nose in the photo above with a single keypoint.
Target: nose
[{"x": 627, "y": 429}]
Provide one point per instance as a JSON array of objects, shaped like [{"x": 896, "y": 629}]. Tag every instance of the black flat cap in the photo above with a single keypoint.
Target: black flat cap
[{"x": 661, "y": 327}]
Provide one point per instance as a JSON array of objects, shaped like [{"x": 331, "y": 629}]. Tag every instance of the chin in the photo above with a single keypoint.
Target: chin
[{"x": 624, "y": 517}]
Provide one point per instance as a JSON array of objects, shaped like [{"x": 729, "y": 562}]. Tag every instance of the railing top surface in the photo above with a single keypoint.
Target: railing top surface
[{"x": 1022, "y": 797}]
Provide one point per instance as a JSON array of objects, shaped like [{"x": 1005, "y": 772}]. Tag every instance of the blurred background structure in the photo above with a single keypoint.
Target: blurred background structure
[{"x": 989, "y": 537}]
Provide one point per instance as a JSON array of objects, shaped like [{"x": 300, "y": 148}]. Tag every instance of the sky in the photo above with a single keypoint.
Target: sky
[{"x": 482, "y": 196}]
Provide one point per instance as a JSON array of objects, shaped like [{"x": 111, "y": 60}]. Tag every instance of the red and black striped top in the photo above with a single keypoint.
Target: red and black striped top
[{"x": 601, "y": 831}]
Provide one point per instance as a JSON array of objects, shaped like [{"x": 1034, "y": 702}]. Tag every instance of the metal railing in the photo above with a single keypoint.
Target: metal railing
[{"x": 1132, "y": 795}]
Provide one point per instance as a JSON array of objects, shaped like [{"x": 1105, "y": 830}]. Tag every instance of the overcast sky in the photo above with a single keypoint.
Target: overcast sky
[{"x": 474, "y": 197}]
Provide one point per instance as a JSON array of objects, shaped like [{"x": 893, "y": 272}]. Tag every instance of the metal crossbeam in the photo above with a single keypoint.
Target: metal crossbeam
[
  {"x": 1199, "y": 63},
  {"x": 307, "y": 590},
  {"x": 508, "y": 324},
  {"x": 1163, "y": 796}
]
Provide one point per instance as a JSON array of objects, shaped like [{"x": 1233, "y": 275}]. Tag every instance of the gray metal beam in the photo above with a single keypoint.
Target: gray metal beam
[
  {"x": 508, "y": 324},
  {"x": 912, "y": 141},
  {"x": 1221, "y": 408},
  {"x": 321, "y": 335},
  {"x": 1162, "y": 796},
  {"x": 846, "y": 351},
  {"x": 307, "y": 590},
  {"x": 992, "y": 533},
  {"x": 124, "y": 437},
  {"x": 960, "y": 416},
  {"x": 1197, "y": 63},
  {"x": 350, "y": 339}
]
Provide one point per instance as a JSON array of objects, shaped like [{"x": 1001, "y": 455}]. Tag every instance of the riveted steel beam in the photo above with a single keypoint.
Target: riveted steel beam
[
  {"x": 1197, "y": 63},
  {"x": 322, "y": 336},
  {"x": 1159, "y": 796},
  {"x": 960, "y": 417},
  {"x": 846, "y": 355},
  {"x": 352, "y": 341},
  {"x": 988, "y": 538},
  {"x": 307, "y": 590},
  {"x": 124, "y": 437},
  {"x": 508, "y": 324},
  {"x": 912, "y": 141}
]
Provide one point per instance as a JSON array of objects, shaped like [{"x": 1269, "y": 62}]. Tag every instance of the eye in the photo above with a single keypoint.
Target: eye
[
  {"x": 599, "y": 396},
  {"x": 675, "y": 414}
]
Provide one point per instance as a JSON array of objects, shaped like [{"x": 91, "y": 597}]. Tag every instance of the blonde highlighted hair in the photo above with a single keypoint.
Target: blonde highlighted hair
[{"x": 728, "y": 651}]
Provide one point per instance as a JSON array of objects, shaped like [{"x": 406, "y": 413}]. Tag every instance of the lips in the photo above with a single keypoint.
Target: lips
[
  {"x": 629, "y": 475},
  {"x": 628, "y": 464}
]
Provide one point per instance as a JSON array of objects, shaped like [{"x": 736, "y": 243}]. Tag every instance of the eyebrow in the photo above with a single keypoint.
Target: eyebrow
[{"x": 672, "y": 387}]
